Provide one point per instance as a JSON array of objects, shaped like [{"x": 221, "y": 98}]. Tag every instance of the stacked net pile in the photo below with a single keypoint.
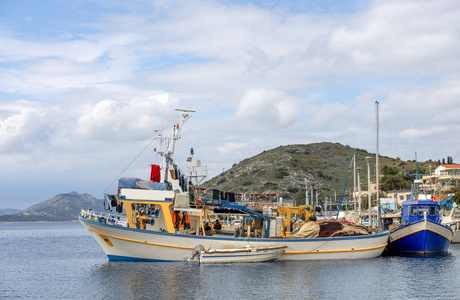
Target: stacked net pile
[{"x": 341, "y": 228}]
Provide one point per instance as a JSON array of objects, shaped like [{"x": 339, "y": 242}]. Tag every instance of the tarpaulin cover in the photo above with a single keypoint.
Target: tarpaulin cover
[
  {"x": 136, "y": 183},
  {"x": 308, "y": 230}
]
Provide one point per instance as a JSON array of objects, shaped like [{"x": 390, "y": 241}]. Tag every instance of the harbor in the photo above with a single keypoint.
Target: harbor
[
  {"x": 230, "y": 149},
  {"x": 165, "y": 219}
]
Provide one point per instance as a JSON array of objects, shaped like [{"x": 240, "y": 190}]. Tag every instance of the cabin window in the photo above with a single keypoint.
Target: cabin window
[
  {"x": 421, "y": 209},
  {"x": 413, "y": 210},
  {"x": 432, "y": 210}
]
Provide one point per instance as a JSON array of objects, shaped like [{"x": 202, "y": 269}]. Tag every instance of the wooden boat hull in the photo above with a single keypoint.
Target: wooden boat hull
[
  {"x": 241, "y": 255},
  {"x": 130, "y": 244},
  {"x": 423, "y": 237}
]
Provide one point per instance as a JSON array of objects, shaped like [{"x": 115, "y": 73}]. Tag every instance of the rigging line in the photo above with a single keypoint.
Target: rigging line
[
  {"x": 344, "y": 188},
  {"x": 367, "y": 131},
  {"x": 128, "y": 166},
  {"x": 390, "y": 135},
  {"x": 456, "y": 155}
]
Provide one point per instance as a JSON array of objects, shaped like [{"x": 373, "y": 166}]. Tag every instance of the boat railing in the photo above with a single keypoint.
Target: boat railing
[
  {"x": 215, "y": 202},
  {"x": 112, "y": 219}
]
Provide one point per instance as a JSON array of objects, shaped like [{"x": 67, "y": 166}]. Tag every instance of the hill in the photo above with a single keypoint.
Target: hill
[
  {"x": 63, "y": 207},
  {"x": 9, "y": 211},
  {"x": 283, "y": 170}
]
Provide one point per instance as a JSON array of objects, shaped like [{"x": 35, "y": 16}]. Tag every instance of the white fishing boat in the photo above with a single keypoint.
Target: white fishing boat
[
  {"x": 236, "y": 255},
  {"x": 164, "y": 222},
  {"x": 451, "y": 218}
]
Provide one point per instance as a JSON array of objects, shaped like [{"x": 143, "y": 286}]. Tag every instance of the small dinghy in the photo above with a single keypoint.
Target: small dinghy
[{"x": 236, "y": 255}]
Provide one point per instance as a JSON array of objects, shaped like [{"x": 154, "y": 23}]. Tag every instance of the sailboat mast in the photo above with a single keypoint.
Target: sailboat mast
[
  {"x": 377, "y": 162},
  {"x": 354, "y": 182}
]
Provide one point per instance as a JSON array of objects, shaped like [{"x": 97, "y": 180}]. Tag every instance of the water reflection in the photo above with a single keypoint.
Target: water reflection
[{"x": 383, "y": 277}]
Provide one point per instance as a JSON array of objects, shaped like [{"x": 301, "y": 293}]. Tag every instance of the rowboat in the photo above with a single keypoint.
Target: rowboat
[{"x": 236, "y": 255}]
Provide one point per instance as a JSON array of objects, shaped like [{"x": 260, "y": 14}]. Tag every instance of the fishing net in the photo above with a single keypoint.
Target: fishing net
[{"x": 341, "y": 228}]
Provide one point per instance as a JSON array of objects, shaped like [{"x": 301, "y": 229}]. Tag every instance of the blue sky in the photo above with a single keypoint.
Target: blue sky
[{"x": 83, "y": 84}]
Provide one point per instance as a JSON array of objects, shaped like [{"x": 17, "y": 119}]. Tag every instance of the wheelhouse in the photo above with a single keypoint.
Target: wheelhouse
[{"x": 413, "y": 211}]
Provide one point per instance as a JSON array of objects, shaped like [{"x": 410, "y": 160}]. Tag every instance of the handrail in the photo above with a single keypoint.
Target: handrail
[{"x": 106, "y": 218}]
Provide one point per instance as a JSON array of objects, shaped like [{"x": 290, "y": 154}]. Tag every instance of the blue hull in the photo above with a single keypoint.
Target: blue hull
[{"x": 418, "y": 241}]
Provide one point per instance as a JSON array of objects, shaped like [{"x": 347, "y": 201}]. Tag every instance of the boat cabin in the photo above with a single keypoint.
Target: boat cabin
[{"x": 413, "y": 211}]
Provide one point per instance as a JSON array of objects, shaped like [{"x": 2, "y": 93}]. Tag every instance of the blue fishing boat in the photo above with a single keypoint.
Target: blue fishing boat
[{"x": 421, "y": 231}]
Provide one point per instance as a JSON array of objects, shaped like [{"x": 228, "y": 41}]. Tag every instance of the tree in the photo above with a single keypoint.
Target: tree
[
  {"x": 394, "y": 179},
  {"x": 456, "y": 196}
]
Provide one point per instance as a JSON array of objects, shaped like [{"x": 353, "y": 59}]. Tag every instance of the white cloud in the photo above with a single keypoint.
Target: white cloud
[
  {"x": 234, "y": 147},
  {"x": 24, "y": 126},
  {"x": 265, "y": 109},
  {"x": 258, "y": 76},
  {"x": 394, "y": 35},
  {"x": 129, "y": 120},
  {"x": 429, "y": 112}
]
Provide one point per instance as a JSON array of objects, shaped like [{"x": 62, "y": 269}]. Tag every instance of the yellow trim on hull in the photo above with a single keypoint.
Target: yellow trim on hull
[
  {"x": 335, "y": 251},
  {"x": 141, "y": 242},
  {"x": 407, "y": 235},
  {"x": 419, "y": 231},
  {"x": 439, "y": 234},
  {"x": 190, "y": 248}
]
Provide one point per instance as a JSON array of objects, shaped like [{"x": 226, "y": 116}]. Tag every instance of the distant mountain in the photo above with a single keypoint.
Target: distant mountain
[
  {"x": 63, "y": 207},
  {"x": 9, "y": 211}
]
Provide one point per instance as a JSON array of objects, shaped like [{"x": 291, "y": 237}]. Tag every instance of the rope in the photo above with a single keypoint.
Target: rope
[
  {"x": 344, "y": 188},
  {"x": 128, "y": 166}
]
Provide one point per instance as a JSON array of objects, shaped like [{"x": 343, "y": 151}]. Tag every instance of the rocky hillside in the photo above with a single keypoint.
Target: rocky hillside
[
  {"x": 283, "y": 170},
  {"x": 63, "y": 207}
]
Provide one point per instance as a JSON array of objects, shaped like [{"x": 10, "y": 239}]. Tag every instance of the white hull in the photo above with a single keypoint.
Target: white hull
[
  {"x": 456, "y": 238},
  {"x": 455, "y": 225},
  {"x": 241, "y": 255},
  {"x": 121, "y": 243}
]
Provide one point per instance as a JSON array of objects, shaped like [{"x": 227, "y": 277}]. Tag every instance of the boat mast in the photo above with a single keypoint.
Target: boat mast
[
  {"x": 377, "y": 163},
  {"x": 171, "y": 142},
  {"x": 354, "y": 182}
]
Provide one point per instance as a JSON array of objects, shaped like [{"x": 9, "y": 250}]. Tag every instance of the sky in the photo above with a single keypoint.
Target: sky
[{"x": 85, "y": 84}]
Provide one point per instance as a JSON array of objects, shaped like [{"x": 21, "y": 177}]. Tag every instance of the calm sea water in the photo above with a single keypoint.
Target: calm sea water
[{"x": 63, "y": 261}]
